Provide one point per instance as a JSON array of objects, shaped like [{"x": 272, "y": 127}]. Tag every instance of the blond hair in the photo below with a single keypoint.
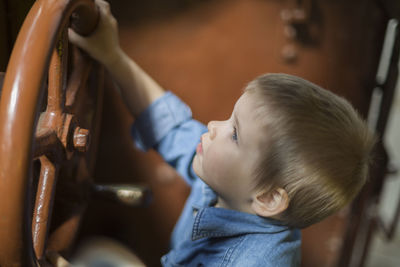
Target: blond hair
[{"x": 318, "y": 148}]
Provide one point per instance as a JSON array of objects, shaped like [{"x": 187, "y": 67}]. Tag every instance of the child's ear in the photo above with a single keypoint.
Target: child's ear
[{"x": 270, "y": 203}]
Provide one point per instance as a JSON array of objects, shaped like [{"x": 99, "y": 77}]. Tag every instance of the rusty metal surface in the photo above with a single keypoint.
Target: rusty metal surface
[{"x": 23, "y": 89}]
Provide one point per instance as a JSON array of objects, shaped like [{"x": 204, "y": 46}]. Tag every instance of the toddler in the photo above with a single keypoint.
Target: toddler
[{"x": 290, "y": 155}]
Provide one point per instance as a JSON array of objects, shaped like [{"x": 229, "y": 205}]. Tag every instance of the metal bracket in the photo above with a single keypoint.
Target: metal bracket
[{"x": 300, "y": 26}]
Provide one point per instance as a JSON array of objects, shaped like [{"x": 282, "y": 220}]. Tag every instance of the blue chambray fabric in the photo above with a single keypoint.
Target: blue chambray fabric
[{"x": 205, "y": 235}]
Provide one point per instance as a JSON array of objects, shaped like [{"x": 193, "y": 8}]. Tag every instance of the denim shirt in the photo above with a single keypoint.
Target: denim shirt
[{"x": 205, "y": 235}]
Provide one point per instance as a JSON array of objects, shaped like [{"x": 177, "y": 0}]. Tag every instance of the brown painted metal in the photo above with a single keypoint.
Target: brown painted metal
[
  {"x": 23, "y": 88},
  {"x": 42, "y": 210},
  {"x": 81, "y": 139}
]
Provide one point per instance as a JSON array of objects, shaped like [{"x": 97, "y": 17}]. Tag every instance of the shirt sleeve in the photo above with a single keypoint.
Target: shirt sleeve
[{"x": 167, "y": 126}]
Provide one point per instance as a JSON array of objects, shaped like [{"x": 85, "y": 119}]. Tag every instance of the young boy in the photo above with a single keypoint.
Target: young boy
[{"x": 290, "y": 155}]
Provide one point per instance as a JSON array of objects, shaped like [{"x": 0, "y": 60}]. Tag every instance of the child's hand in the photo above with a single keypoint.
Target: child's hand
[{"x": 102, "y": 44}]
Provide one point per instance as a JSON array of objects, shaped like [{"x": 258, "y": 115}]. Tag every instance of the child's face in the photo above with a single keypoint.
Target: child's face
[{"x": 227, "y": 154}]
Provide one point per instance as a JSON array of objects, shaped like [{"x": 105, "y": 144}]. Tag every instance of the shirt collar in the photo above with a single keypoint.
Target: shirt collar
[{"x": 220, "y": 222}]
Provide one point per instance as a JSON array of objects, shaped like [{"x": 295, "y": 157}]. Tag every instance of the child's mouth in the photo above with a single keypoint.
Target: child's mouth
[{"x": 199, "y": 149}]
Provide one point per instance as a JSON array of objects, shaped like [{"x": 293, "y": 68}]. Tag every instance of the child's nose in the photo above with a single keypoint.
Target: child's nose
[{"x": 212, "y": 129}]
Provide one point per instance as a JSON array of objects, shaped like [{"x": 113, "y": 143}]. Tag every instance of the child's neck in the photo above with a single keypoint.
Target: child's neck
[{"x": 221, "y": 203}]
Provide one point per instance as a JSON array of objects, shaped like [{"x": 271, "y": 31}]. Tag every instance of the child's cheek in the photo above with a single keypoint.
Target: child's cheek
[
  {"x": 210, "y": 162},
  {"x": 216, "y": 165}
]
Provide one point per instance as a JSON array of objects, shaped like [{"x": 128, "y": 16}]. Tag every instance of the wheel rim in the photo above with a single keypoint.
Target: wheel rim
[{"x": 23, "y": 136}]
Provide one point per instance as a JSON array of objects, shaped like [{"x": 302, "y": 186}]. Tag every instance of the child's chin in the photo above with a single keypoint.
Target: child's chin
[
  {"x": 198, "y": 170},
  {"x": 196, "y": 166}
]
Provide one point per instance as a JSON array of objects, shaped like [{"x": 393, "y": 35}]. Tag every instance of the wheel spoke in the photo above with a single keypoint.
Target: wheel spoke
[
  {"x": 46, "y": 140},
  {"x": 58, "y": 75},
  {"x": 78, "y": 77},
  {"x": 47, "y": 143},
  {"x": 43, "y": 205}
]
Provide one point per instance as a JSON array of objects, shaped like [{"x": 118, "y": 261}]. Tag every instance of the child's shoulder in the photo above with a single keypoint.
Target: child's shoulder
[{"x": 274, "y": 249}]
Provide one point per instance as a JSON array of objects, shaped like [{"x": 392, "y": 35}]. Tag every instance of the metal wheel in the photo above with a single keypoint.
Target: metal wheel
[{"x": 49, "y": 120}]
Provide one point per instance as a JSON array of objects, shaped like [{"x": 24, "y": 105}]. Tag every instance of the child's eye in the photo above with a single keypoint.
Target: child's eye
[{"x": 234, "y": 135}]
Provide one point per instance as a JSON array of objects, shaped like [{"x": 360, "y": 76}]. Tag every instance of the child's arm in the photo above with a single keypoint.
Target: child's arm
[
  {"x": 167, "y": 125},
  {"x": 138, "y": 89}
]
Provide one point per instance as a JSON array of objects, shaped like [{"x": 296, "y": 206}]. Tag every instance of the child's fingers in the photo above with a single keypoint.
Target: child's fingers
[
  {"x": 105, "y": 13},
  {"x": 76, "y": 39},
  {"x": 104, "y": 38},
  {"x": 104, "y": 6}
]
